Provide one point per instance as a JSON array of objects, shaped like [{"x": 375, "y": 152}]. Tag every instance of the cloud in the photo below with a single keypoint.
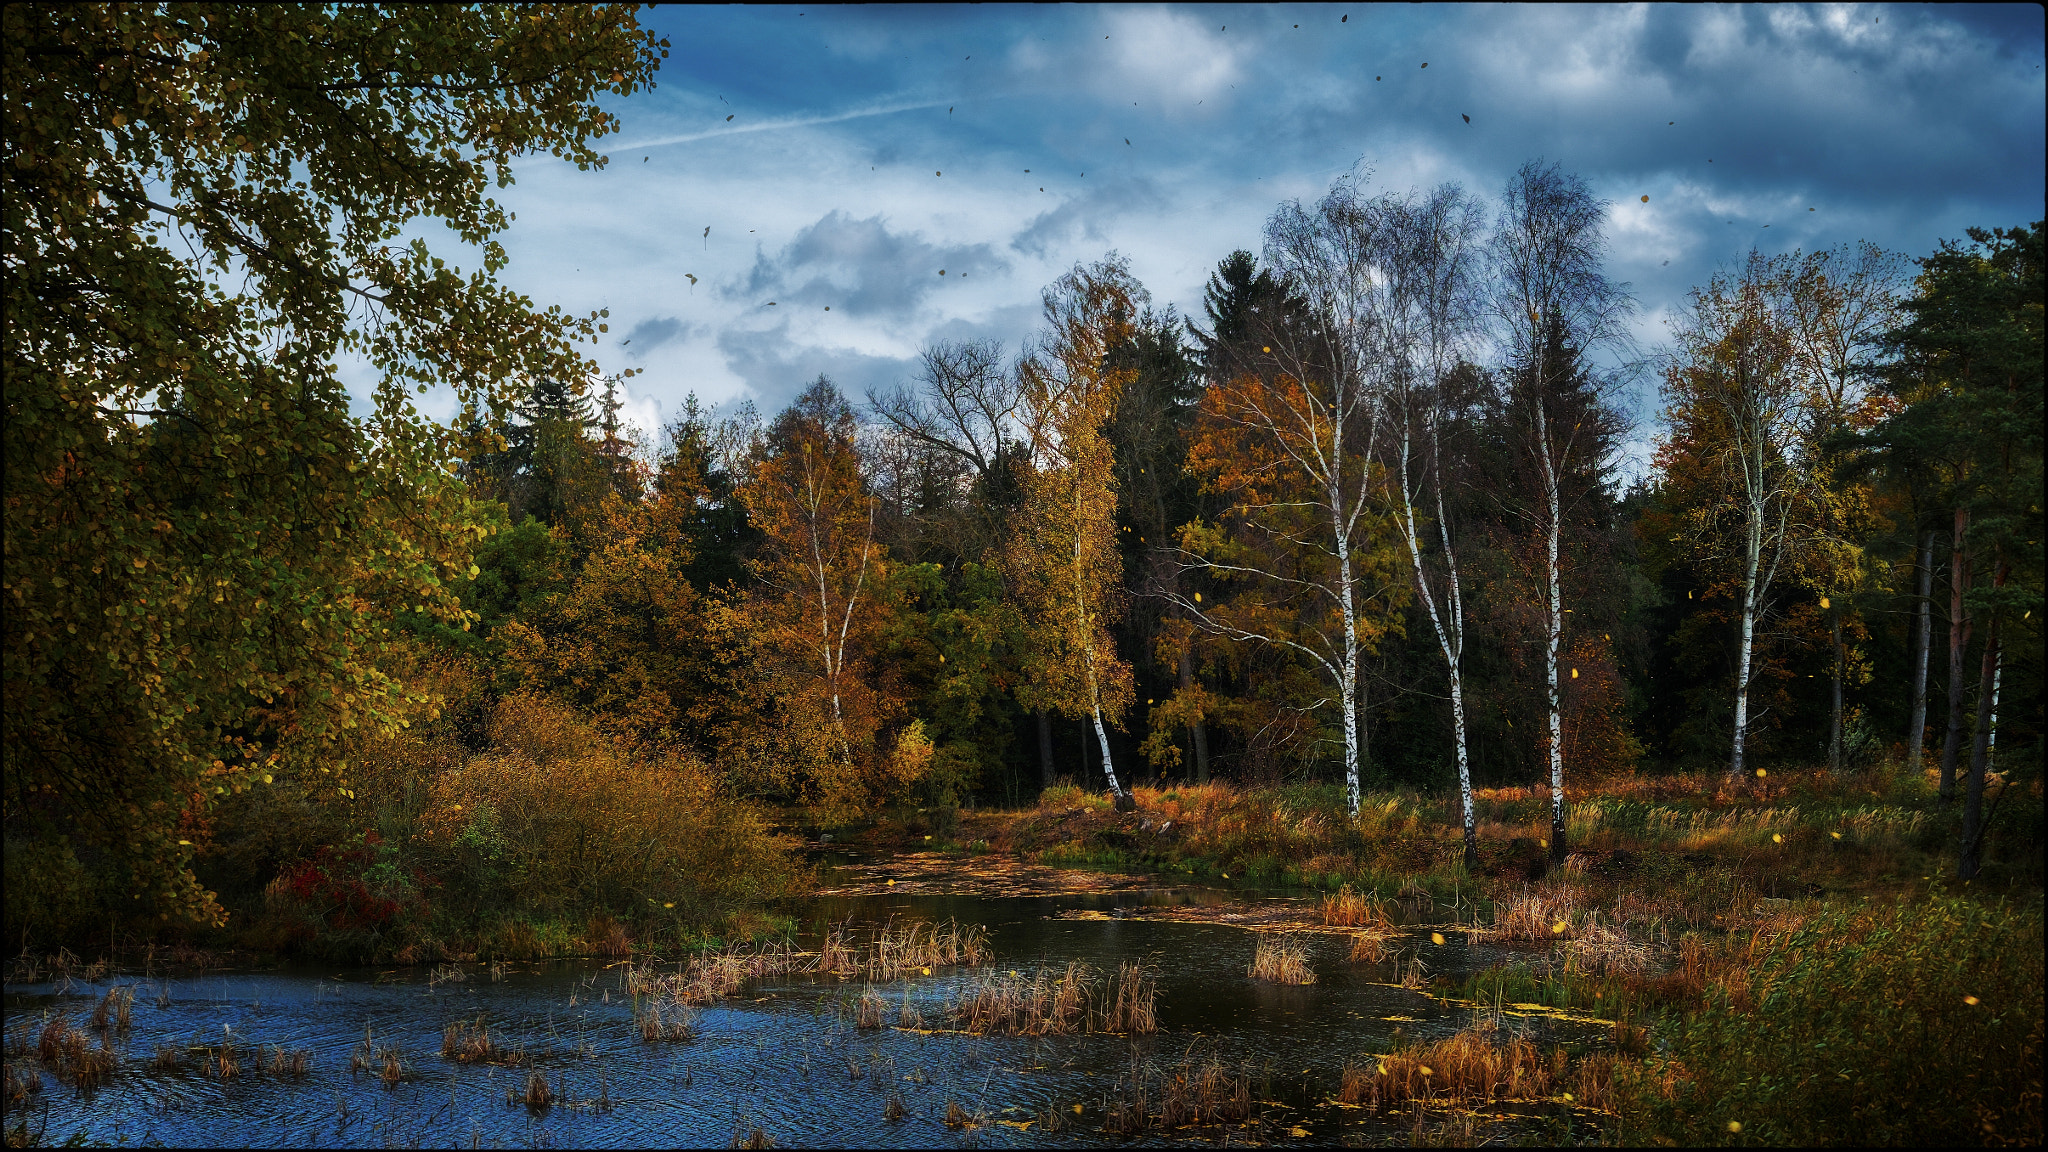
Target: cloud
[
  {"x": 654, "y": 332},
  {"x": 1168, "y": 56},
  {"x": 859, "y": 267},
  {"x": 775, "y": 368},
  {"x": 1085, "y": 216}
]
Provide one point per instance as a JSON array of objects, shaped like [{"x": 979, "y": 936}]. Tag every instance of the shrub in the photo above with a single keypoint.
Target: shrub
[{"x": 1906, "y": 1024}]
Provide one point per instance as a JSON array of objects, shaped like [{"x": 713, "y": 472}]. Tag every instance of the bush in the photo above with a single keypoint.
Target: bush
[
  {"x": 558, "y": 820},
  {"x": 1904, "y": 1024}
]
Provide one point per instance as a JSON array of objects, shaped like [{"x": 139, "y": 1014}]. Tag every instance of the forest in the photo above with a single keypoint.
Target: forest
[{"x": 1407, "y": 565}]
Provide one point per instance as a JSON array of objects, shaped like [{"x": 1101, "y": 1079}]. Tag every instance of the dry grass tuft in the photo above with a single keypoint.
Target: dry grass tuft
[
  {"x": 294, "y": 1063},
  {"x": 1130, "y": 1006},
  {"x": 23, "y": 1081},
  {"x": 1281, "y": 960},
  {"x": 742, "y": 1138},
  {"x": 1347, "y": 909},
  {"x": 1478, "y": 1063},
  {"x": 958, "y": 1117},
  {"x": 114, "y": 1008},
  {"x": 893, "y": 1110},
  {"x": 1041, "y": 1004},
  {"x": 678, "y": 1025},
  {"x": 907, "y": 1014},
  {"x": 868, "y": 1014},
  {"x": 1207, "y": 1094},
  {"x": 470, "y": 1042},
  {"x": 1537, "y": 915},
  {"x": 1370, "y": 946},
  {"x": 539, "y": 1095}
]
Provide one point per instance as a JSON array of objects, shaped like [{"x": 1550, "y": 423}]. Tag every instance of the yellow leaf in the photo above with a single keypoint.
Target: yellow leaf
[
  {"x": 1823, "y": 601},
  {"x": 1970, "y": 1000},
  {"x": 1436, "y": 937},
  {"x": 1557, "y": 929},
  {"x": 1761, "y": 773},
  {"x": 1735, "y": 1126},
  {"x": 1777, "y": 839},
  {"x": 1575, "y": 673},
  {"x": 184, "y": 843}
]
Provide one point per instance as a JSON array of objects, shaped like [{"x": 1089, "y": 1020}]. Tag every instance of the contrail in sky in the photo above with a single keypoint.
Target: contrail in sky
[{"x": 772, "y": 125}]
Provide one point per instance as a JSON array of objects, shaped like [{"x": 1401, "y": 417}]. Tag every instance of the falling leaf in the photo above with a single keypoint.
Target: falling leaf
[
  {"x": 1436, "y": 937},
  {"x": 1776, "y": 838},
  {"x": 1761, "y": 773},
  {"x": 1468, "y": 119},
  {"x": 1735, "y": 1126},
  {"x": 1646, "y": 199},
  {"x": 729, "y": 118},
  {"x": 1198, "y": 597},
  {"x": 1575, "y": 673},
  {"x": 1970, "y": 1000},
  {"x": 935, "y": 172},
  {"x": 1836, "y": 835},
  {"x": 1557, "y": 929},
  {"x": 1823, "y": 601},
  {"x": 942, "y": 271},
  {"x": 1425, "y": 63}
]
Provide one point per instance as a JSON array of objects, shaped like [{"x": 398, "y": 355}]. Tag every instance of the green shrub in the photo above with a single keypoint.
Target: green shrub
[{"x": 1901, "y": 1024}]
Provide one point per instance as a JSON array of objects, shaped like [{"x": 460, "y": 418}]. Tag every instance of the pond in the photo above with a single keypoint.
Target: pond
[{"x": 783, "y": 1055}]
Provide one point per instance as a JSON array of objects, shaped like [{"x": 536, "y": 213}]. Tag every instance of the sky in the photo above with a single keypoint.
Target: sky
[{"x": 874, "y": 179}]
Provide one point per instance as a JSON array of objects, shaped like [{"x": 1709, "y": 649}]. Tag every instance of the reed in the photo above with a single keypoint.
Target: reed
[
  {"x": 294, "y": 1063},
  {"x": 1130, "y": 1005},
  {"x": 1477, "y": 1063},
  {"x": 1204, "y": 1094},
  {"x": 757, "y": 1138},
  {"x": 1348, "y": 909},
  {"x": 908, "y": 1015},
  {"x": 677, "y": 1025},
  {"x": 1041, "y": 1004},
  {"x": 868, "y": 1014},
  {"x": 23, "y": 1080},
  {"x": 471, "y": 1042},
  {"x": 893, "y": 1109},
  {"x": 168, "y": 1058},
  {"x": 394, "y": 1070},
  {"x": 1370, "y": 946},
  {"x": 958, "y": 1117},
  {"x": 224, "y": 1062},
  {"x": 540, "y": 1095},
  {"x": 1537, "y": 915},
  {"x": 1281, "y": 960},
  {"x": 113, "y": 1010}
]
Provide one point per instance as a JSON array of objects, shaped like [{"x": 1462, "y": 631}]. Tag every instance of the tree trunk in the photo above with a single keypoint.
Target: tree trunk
[
  {"x": 1980, "y": 750},
  {"x": 1198, "y": 731},
  {"x": 1916, "y": 733},
  {"x": 1835, "y": 719},
  {"x": 1749, "y": 607},
  {"x": 1958, "y": 644},
  {"x": 1045, "y": 774}
]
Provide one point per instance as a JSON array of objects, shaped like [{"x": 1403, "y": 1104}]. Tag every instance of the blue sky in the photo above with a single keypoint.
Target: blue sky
[{"x": 841, "y": 157}]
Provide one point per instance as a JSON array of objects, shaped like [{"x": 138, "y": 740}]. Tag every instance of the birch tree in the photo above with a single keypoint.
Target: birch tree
[
  {"x": 1735, "y": 394},
  {"x": 1063, "y": 550},
  {"x": 1549, "y": 295},
  {"x": 1285, "y": 438},
  {"x": 1840, "y": 302},
  {"x": 1432, "y": 257},
  {"x": 816, "y": 607}
]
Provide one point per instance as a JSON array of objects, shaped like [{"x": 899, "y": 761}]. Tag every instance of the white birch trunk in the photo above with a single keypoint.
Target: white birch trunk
[{"x": 1450, "y": 638}]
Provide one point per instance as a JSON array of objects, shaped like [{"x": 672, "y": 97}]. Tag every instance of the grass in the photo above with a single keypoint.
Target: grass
[
  {"x": 1280, "y": 959},
  {"x": 471, "y": 1042}
]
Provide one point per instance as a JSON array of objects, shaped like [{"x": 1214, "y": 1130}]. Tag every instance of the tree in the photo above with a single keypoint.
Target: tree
[
  {"x": 817, "y": 601},
  {"x": 1063, "y": 550},
  {"x": 1839, "y": 302},
  {"x": 1430, "y": 321},
  {"x": 1285, "y": 439},
  {"x": 1553, "y": 304},
  {"x": 1735, "y": 400},
  {"x": 1969, "y": 359},
  {"x": 205, "y": 550}
]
